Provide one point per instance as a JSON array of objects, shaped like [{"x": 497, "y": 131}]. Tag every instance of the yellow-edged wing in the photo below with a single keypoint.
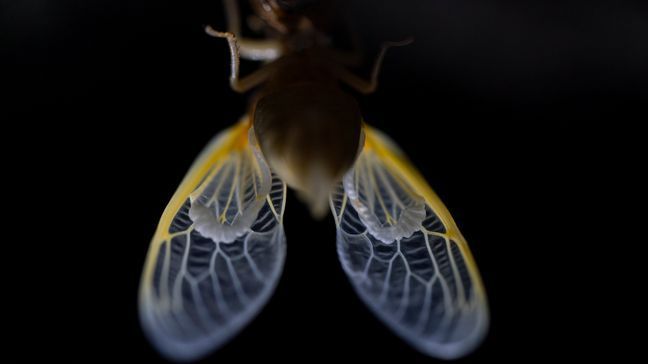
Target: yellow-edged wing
[
  {"x": 404, "y": 254},
  {"x": 218, "y": 251}
]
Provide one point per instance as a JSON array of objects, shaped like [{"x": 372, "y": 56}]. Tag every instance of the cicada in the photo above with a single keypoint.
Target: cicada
[{"x": 219, "y": 248}]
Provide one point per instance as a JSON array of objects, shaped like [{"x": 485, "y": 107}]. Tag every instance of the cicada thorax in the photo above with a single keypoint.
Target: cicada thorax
[{"x": 308, "y": 128}]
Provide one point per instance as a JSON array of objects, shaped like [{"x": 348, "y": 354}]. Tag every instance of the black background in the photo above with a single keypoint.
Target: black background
[{"x": 507, "y": 107}]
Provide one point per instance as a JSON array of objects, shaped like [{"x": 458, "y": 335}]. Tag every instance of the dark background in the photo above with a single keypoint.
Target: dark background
[{"x": 509, "y": 109}]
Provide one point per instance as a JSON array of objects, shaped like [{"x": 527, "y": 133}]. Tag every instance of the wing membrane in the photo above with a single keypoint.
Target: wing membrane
[
  {"x": 405, "y": 255},
  {"x": 218, "y": 251}
]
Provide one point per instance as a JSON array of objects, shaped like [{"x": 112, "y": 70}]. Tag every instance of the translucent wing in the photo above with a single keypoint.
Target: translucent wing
[
  {"x": 218, "y": 251},
  {"x": 404, "y": 254}
]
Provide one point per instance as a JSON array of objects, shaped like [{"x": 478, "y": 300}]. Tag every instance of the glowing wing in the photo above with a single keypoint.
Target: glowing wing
[
  {"x": 218, "y": 251},
  {"x": 404, "y": 254}
]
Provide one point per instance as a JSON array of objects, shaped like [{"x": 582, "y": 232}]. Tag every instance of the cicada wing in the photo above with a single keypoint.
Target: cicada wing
[
  {"x": 404, "y": 254},
  {"x": 218, "y": 251}
]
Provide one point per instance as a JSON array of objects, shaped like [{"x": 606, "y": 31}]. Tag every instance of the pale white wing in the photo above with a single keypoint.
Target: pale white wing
[
  {"x": 218, "y": 252},
  {"x": 405, "y": 256}
]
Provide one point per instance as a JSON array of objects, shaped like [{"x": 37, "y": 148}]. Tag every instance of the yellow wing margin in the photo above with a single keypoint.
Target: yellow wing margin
[
  {"x": 404, "y": 254},
  {"x": 218, "y": 250},
  {"x": 235, "y": 138},
  {"x": 229, "y": 140},
  {"x": 391, "y": 155}
]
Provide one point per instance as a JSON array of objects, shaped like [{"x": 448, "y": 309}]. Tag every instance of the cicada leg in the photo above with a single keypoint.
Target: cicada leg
[{"x": 368, "y": 86}]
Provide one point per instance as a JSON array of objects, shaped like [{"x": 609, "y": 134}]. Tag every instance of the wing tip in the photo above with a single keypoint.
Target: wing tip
[
  {"x": 173, "y": 349},
  {"x": 443, "y": 350},
  {"x": 156, "y": 329},
  {"x": 458, "y": 348}
]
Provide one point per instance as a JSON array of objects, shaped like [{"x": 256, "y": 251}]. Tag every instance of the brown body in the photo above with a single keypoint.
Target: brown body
[{"x": 308, "y": 128}]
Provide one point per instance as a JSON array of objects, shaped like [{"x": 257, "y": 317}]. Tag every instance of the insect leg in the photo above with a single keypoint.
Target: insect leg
[
  {"x": 368, "y": 86},
  {"x": 238, "y": 84},
  {"x": 232, "y": 17},
  {"x": 250, "y": 49}
]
